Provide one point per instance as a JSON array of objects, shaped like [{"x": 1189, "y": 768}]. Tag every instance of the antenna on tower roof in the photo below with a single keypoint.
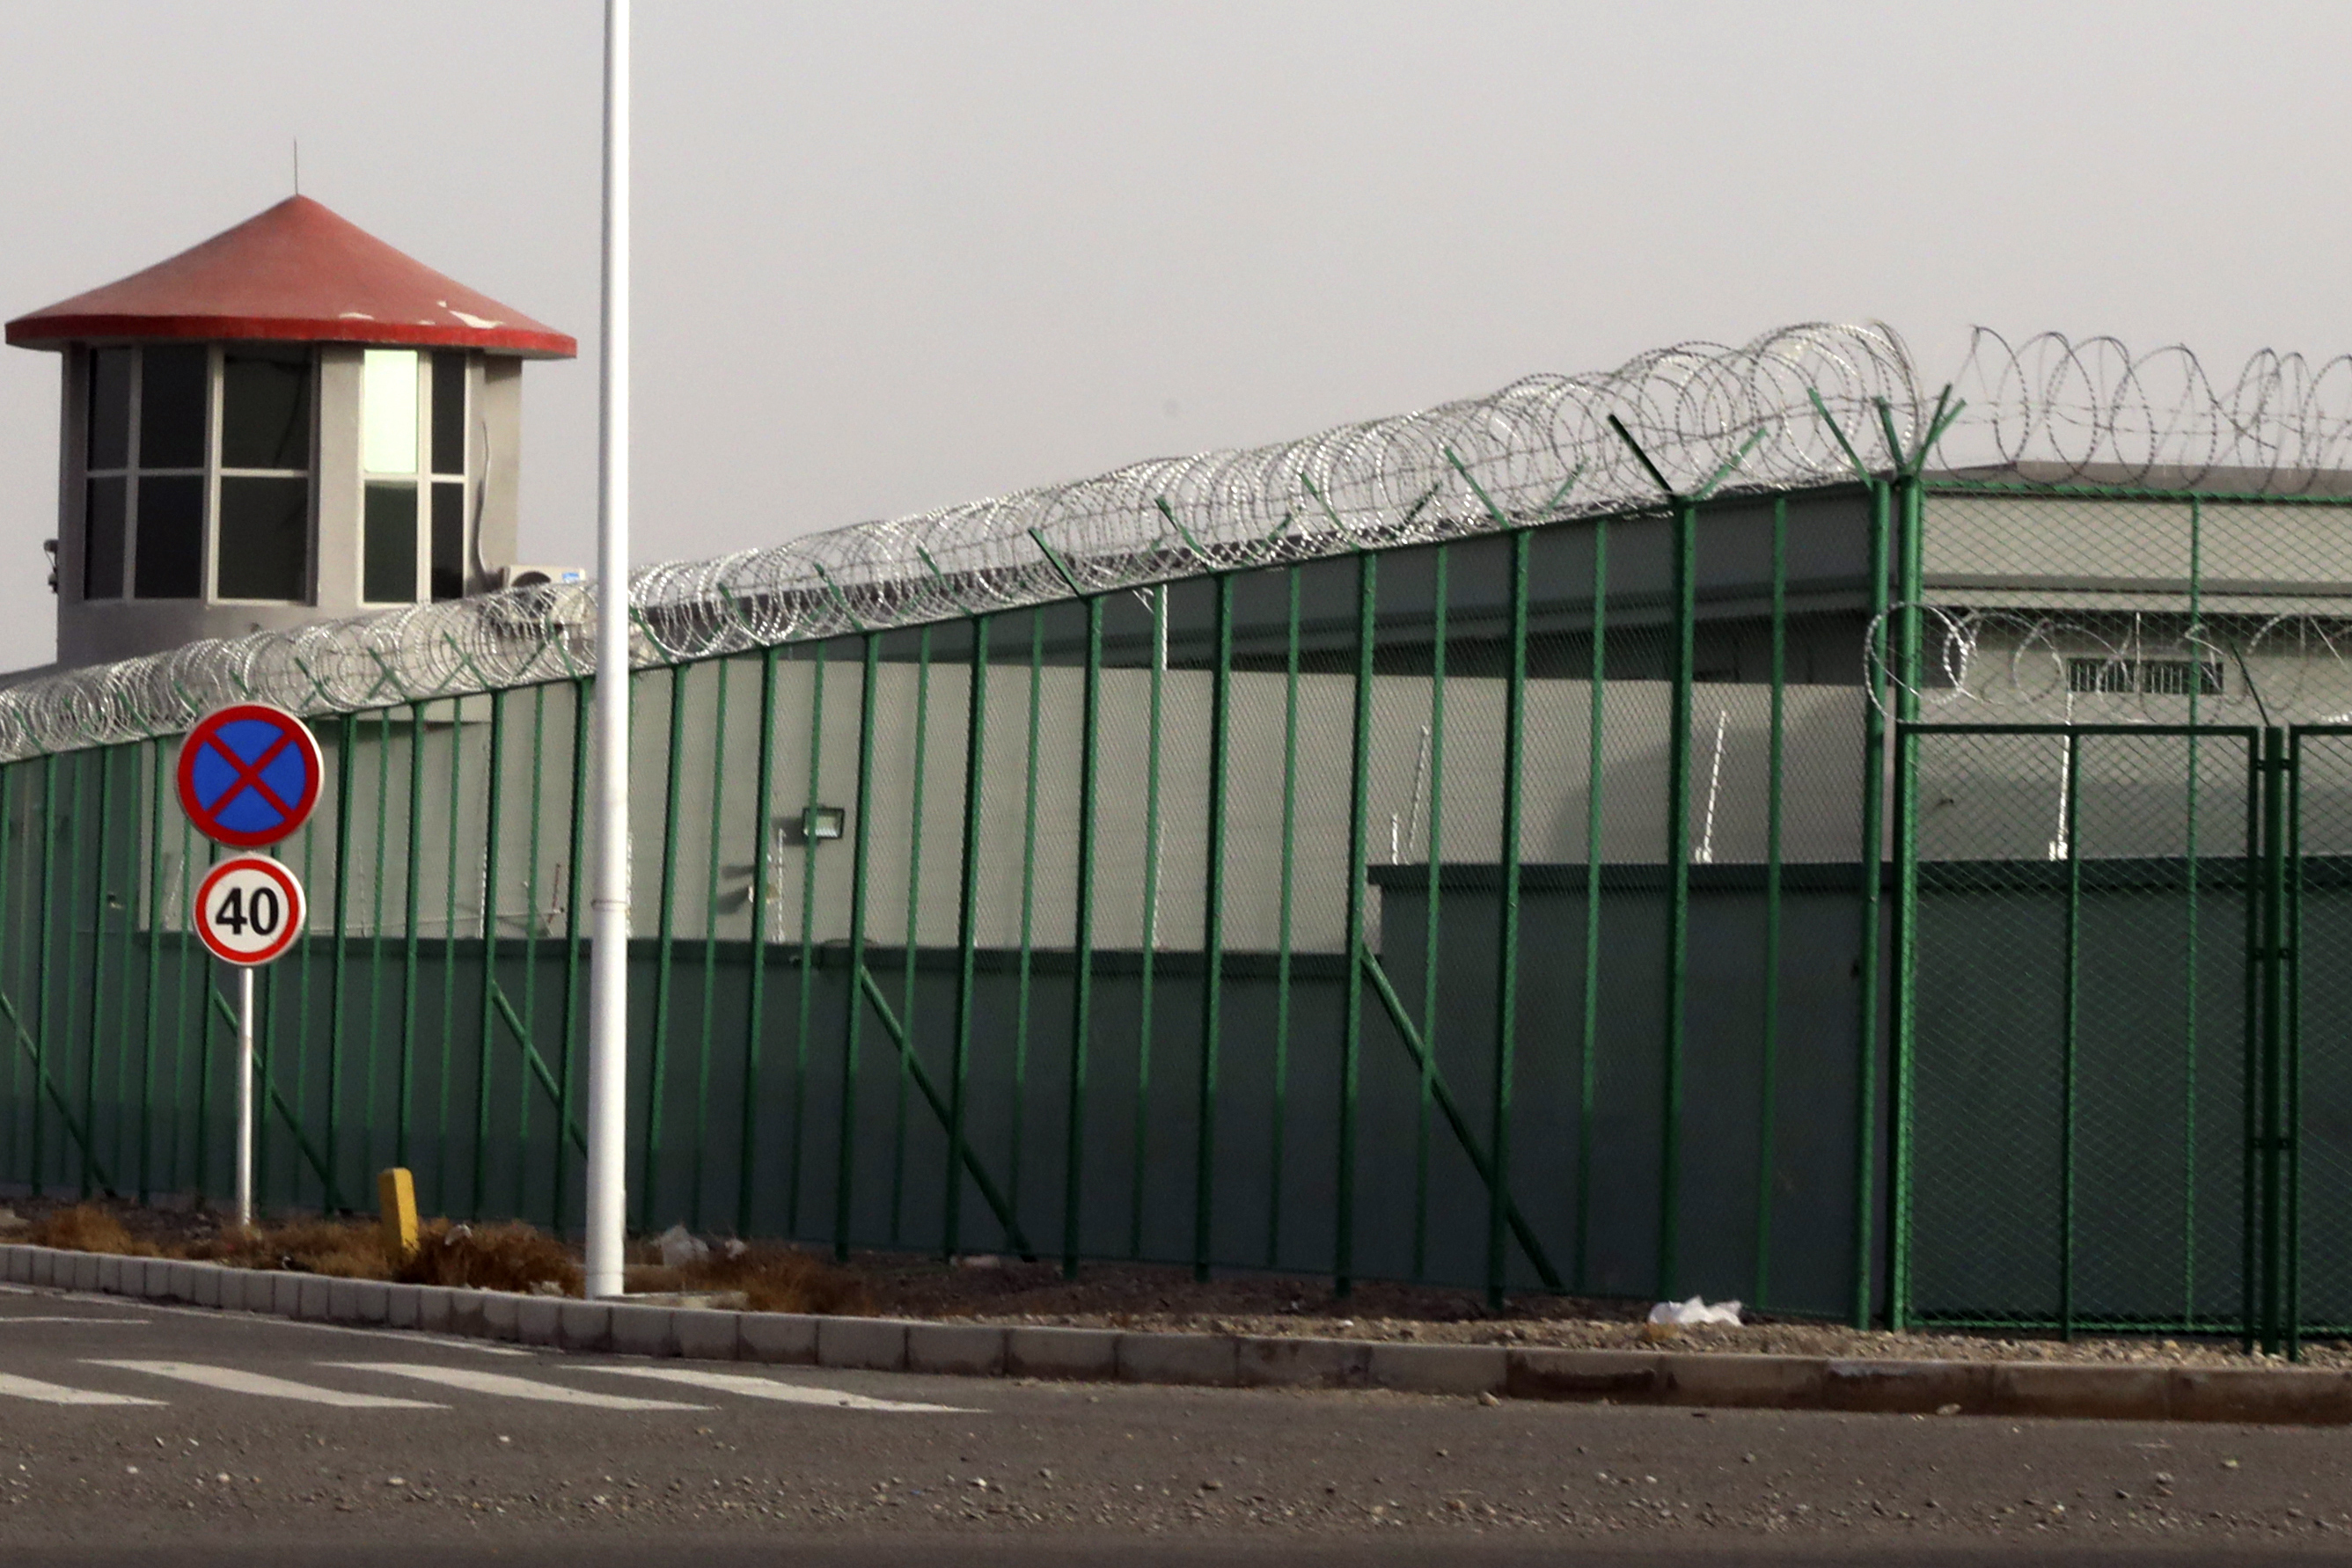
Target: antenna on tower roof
[{"x": 297, "y": 165}]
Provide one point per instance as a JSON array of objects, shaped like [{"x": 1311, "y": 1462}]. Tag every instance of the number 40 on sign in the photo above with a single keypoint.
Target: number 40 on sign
[{"x": 248, "y": 909}]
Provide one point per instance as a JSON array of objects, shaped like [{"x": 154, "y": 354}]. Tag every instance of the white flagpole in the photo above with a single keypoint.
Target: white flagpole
[{"x": 608, "y": 974}]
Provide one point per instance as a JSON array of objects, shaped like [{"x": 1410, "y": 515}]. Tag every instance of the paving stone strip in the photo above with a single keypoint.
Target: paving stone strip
[{"x": 2266, "y": 1396}]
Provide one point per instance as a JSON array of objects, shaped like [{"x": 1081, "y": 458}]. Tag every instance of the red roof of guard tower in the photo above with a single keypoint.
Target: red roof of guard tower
[{"x": 296, "y": 273}]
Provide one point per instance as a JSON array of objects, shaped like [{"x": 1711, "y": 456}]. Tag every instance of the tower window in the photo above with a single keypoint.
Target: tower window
[
  {"x": 180, "y": 504},
  {"x": 412, "y": 445}
]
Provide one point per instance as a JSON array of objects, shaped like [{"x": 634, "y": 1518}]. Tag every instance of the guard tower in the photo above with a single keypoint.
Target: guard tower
[{"x": 291, "y": 422}]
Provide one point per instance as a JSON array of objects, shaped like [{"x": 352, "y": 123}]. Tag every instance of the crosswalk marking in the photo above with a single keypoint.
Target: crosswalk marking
[
  {"x": 16, "y": 1387},
  {"x": 769, "y": 1388},
  {"x": 230, "y": 1380},
  {"x": 509, "y": 1387}
]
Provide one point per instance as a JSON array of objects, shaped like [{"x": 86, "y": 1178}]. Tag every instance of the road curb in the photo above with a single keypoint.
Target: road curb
[{"x": 2251, "y": 1396}]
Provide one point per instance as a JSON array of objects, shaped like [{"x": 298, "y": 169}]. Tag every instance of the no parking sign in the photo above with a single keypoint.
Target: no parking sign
[{"x": 250, "y": 774}]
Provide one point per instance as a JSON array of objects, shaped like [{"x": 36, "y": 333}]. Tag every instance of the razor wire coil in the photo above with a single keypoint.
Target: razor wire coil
[{"x": 1778, "y": 413}]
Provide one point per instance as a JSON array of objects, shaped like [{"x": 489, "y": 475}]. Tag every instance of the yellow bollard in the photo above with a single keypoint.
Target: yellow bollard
[{"x": 396, "y": 1193}]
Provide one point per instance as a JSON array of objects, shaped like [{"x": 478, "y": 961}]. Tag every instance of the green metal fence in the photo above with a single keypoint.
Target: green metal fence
[
  {"x": 1488, "y": 912},
  {"x": 2120, "y": 823},
  {"x": 1845, "y": 899}
]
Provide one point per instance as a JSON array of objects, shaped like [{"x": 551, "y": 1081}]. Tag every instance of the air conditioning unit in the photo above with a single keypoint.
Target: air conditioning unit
[
  {"x": 522, "y": 576},
  {"x": 553, "y": 599}
]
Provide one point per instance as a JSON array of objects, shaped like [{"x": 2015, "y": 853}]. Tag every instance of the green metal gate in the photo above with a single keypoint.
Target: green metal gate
[{"x": 2123, "y": 1049}]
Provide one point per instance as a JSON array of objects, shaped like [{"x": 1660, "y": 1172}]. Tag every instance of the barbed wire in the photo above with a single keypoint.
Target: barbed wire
[
  {"x": 2051, "y": 410},
  {"x": 1770, "y": 415},
  {"x": 1539, "y": 449}
]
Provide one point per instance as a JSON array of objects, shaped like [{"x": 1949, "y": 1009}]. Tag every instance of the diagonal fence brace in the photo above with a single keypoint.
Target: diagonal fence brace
[
  {"x": 922, "y": 1076},
  {"x": 537, "y": 1063},
  {"x": 65, "y": 1110},
  {"x": 1455, "y": 1119}
]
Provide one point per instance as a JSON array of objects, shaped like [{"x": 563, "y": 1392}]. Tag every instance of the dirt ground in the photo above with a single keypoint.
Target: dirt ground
[{"x": 996, "y": 1290}]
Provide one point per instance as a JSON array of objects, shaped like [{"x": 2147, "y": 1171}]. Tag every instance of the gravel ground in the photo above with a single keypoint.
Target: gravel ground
[{"x": 1126, "y": 1296}]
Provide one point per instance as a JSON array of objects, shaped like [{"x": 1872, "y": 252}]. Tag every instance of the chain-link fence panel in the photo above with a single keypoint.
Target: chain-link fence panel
[
  {"x": 2319, "y": 1070},
  {"x": 2075, "y": 1031}
]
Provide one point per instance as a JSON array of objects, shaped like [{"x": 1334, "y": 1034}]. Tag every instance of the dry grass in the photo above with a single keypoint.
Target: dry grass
[
  {"x": 86, "y": 1228},
  {"x": 512, "y": 1256},
  {"x": 342, "y": 1249},
  {"x": 772, "y": 1280}
]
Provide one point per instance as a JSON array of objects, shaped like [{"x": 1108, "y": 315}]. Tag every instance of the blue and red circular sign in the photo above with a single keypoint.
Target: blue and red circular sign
[{"x": 250, "y": 774}]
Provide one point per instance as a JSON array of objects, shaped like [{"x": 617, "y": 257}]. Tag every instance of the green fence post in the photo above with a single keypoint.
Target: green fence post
[
  {"x": 493, "y": 796},
  {"x": 1768, "y": 1076},
  {"x": 1213, "y": 930},
  {"x": 1352, "y": 1020},
  {"x": 10, "y": 904},
  {"x": 449, "y": 947},
  {"x": 861, "y": 841},
  {"x": 1904, "y": 919},
  {"x": 755, "y": 1008},
  {"x": 2275, "y": 1042},
  {"x": 1506, "y": 939},
  {"x": 42, "y": 978},
  {"x": 1589, "y": 1023},
  {"x": 807, "y": 994},
  {"x": 1433, "y": 918},
  {"x": 2256, "y": 932},
  {"x": 581, "y": 701},
  {"x": 530, "y": 920},
  {"x": 338, "y": 973},
  {"x": 1142, "y": 1122},
  {"x": 410, "y": 902},
  {"x": 2072, "y": 1034},
  {"x": 186, "y": 996},
  {"x": 158, "y": 785},
  {"x": 665, "y": 931},
  {"x": 2289, "y": 1142},
  {"x": 1280, "y": 1110},
  {"x": 709, "y": 942},
  {"x": 1901, "y": 1074},
  {"x": 375, "y": 929},
  {"x": 1873, "y": 863},
  {"x": 309, "y": 949},
  {"x": 1022, "y": 983},
  {"x": 914, "y": 927},
  {"x": 1683, "y": 516},
  {"x": 975, "y": 771},
  {"x": 1082, "y": 938},
  {"x": 96, "y": 966},
  {"x": 2196, "y": 892},
  {"x": 124, "y": 942}
]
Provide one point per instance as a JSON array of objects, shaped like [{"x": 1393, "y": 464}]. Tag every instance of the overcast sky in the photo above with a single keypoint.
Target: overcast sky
[{"x": 895, "y": 255}]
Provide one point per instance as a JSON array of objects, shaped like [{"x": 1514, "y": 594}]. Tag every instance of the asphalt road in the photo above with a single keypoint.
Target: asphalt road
[{"x": 143, "y": 1433}]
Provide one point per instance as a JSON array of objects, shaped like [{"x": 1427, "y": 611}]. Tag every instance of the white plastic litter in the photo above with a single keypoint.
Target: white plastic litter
[
  {"x": 679, "y": 1247},
  {"x": 1693, "y": 1312}
]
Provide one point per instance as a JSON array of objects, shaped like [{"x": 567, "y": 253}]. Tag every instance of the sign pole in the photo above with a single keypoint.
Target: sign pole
[
  {"x": 243, "y": 1096},
  {"x": 608, "y": 953},
  {"x": 248, "y": 775}
]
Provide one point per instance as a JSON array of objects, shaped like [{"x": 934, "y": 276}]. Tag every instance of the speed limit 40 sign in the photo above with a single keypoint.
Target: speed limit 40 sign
[{"x": 248, "y": 909}]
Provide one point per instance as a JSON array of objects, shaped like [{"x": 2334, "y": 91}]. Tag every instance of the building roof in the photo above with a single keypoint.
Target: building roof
[{"x": 295, "y": 273}]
